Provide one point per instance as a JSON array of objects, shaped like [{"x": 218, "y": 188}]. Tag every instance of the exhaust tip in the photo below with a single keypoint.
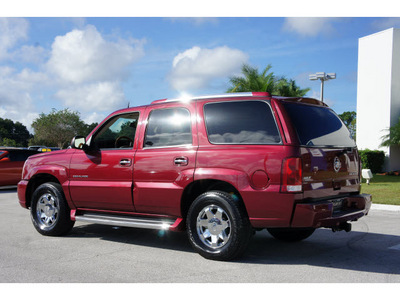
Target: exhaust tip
[{"x": 342, "y": 226}]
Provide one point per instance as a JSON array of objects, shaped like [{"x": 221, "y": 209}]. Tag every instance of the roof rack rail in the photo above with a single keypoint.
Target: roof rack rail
[{"x": 226, "y": 95}]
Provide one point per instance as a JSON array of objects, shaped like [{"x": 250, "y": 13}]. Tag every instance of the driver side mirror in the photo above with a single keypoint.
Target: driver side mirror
[{"x": 79, "y": 142}]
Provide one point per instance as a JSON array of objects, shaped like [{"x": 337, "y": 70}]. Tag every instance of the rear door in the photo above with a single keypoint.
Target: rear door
[
  {"x": 330, "y": 158},
  {"x": 166, "y": 158}
]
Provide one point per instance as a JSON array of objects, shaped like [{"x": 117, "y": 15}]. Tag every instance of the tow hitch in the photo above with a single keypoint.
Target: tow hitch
[{"x": 342, "y": 226}]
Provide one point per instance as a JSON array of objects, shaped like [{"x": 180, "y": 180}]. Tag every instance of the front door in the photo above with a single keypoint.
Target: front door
[{"x": 101, "y": 177}]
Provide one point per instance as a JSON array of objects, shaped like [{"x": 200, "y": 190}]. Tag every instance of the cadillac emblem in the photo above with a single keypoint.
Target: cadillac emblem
[{"x": 337, "y": 164}]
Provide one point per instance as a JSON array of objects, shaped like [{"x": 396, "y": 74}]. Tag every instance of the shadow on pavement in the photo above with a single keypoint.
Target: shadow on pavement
[
  {"x": 357, "y": 251},
  {"x": 8, "y": 189}
]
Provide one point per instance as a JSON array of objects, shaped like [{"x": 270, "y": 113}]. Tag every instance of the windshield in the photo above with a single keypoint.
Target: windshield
[{"x": 318, "y": 126}]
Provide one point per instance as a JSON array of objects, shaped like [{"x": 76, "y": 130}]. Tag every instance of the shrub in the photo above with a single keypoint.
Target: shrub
[{"x": 372, "y": 159}]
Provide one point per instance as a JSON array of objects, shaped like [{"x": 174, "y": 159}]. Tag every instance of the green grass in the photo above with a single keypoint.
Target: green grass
[{"x": 384, "y": 189}]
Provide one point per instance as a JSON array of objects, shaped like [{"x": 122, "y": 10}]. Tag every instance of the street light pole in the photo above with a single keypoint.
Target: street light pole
[{"x": 323, "y": 77}]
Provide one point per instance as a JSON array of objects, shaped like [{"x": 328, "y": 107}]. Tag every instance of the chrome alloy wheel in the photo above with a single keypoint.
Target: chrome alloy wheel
[
  {"x": 47, "y": 210},
  {"x": 213, "y": 226}
]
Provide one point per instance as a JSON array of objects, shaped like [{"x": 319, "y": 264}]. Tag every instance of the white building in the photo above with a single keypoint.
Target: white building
[{"x": 378, "y": 92}]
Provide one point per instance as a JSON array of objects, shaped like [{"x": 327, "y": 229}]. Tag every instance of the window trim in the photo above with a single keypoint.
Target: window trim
[
  {"x": 144, "y": 147},
  {"x": 246, "y": 144},
  {"x": 317, "y": 146},
  {"x": 105, "y": 122}
]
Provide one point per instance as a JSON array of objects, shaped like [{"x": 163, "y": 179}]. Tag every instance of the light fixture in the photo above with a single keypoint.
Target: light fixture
[{"x": 323, "y": 77}]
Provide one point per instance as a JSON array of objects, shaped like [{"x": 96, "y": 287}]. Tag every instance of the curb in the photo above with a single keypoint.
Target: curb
[{"x": 385, "y": 207}]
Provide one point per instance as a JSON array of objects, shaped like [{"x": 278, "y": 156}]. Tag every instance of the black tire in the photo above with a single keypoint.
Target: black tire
[
  {"x": 291, "y": 234},
  {"x": 218, "y": 226},
  {"x": 50, "y": 213}
]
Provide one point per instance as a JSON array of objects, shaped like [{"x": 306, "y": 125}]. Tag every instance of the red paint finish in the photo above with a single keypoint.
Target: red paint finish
[
  {"x": 161, "y": 173},
  {"x": 11, "y": 164},
  {"x": 98, "y": 180},
  {"x": 281, "y": 184}
]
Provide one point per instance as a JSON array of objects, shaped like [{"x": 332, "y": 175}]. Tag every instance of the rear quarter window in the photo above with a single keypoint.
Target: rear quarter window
[
  {"x": 241, "y": 122},
  {"x": 318, "y": 126}
]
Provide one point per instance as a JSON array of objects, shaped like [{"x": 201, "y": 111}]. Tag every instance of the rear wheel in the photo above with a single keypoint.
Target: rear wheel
[
  {"x": 218, "y": 227},
  {"x": 50, "y": 213},
  {"x": 291, "y": 234}
]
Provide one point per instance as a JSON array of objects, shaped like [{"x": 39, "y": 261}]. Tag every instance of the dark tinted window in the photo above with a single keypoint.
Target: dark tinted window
[
  {"x": 318, "y": 126},
  {"x": 168, "y": 127},
  {"x": 117, "y": 133},
  {"x": 20, "y": 155},
  {"x": 241, "y": 122}
]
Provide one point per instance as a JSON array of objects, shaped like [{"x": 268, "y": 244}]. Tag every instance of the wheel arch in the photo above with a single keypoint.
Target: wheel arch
[
  {"x": 198, "y": 187},
  {"x": 35, "y": 182}
]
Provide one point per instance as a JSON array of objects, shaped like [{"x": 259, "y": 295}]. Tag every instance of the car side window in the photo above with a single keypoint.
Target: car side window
[
  {"x": 117, "y": 133},
  {"x": 168, "y": 127},
  {"x": 241, "y": 122}
]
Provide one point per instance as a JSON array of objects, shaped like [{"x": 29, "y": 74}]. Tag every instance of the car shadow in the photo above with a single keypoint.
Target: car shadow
[
  {"x": 162, "y": 239},
  {"x": 8, "y": 189},
  {"x": 356, "y": 251}
]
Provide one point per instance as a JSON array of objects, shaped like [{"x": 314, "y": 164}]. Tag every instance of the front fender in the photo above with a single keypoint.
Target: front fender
[{"x": 36, "y": 175}]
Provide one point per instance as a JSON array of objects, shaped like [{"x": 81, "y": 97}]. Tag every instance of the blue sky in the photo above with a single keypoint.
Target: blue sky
[{"x": 96, "y": 65}]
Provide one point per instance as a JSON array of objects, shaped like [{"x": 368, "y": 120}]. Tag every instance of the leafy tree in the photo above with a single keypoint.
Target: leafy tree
[
  {"x": 349, "y": 118},
  {"x": 288, "y": 88},
  {"x": 8, "y": 142},
  {"x": 392, "y": 138},
  {"x": 13, "y": 131},
  {"x": 58, "y": 127},
  {"x": 253, "y": 81},
  {"x": 89, "y": 128}
]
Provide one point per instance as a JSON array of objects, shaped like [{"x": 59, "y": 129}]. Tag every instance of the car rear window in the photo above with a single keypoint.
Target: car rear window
[
  {"x": 318, "y": 126},
  {"x": 241, "y": 122}
]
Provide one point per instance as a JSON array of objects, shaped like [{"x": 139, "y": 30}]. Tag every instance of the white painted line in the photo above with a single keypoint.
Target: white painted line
[{"x": 396, "y": 247}]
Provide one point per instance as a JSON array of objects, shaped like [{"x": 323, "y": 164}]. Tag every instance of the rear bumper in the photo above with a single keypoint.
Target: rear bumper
[
  {"x": 21, "y": 190},
  {"x": 324, "y": 214}
]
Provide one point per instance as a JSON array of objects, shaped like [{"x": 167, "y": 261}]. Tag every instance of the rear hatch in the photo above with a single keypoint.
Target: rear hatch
[{"x": 330, "y": 161}]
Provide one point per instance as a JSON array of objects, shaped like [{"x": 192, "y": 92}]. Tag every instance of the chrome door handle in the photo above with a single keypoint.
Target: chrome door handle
[
  {"x": 181, "y": 161},
  {"x": 125, "y": 162}
]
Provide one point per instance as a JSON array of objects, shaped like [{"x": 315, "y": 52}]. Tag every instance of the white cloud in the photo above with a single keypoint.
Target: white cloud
[
  {"x": 30, "y": 54},
  {"x": 85, "y": 56},
  {"x": 196, "y": 68},
  {"x": 84, "y": 70},
  {"x": 309, "y": 27},
  {"x": 12, "y": 30},
  {"x": 99, "y": 96},
  {"x": 89, "y": 69},
  {"x": 15, "y": 95}
]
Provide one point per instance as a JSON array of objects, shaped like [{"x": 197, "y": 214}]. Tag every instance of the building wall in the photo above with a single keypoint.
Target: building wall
[{"x": 378, "y": 91}]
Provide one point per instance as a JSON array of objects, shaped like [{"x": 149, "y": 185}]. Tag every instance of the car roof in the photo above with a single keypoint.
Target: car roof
[{"x": 226, "y": 97}]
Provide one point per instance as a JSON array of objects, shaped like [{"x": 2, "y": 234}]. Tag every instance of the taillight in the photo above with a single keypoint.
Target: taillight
[{"x": 292, "y": 175}]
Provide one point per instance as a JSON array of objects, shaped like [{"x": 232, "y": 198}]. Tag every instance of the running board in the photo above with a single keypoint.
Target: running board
[{"x": 124, "y": 221}]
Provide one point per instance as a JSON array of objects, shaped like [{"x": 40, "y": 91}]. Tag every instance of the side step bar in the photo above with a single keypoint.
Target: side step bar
[{"x": 124, "y": 221}]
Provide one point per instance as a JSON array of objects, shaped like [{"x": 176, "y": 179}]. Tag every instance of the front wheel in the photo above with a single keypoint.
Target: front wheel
[
  {"x": 218, "y": 227},
  {"x": 50, "y": 213}
]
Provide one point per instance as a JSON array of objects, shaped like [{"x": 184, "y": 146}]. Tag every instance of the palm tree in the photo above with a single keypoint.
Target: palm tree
[
  {"x": 288, "y": 88},
  {"x": 252, "y": 81},
  {"x": 393, "y": 136}
]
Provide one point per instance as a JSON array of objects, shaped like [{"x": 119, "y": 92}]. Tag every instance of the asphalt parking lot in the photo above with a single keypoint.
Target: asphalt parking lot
[{"x": 98, "y": 254}]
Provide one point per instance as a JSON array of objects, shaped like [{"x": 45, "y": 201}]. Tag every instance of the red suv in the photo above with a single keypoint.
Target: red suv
[{"x": 219, "y": 166}]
